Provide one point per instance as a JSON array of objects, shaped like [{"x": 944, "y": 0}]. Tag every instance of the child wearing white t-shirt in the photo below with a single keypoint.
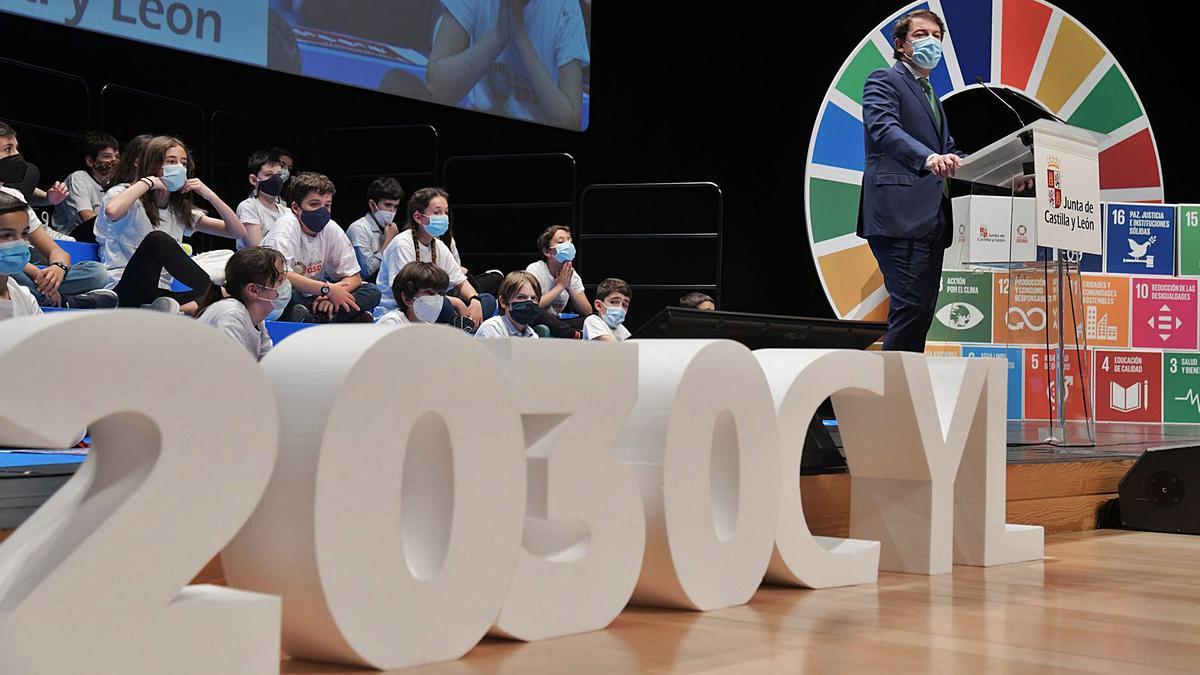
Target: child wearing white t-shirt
[
  {"x": 263, "y": 207},
  {"x": 428, "y": 219},
  {"x": 15, "y": 300},
  {"x": 612, "y": 302},
  {"x": 145, "y": 216},
  {"x": 560, "y": 282},
  {"x": 254, "y": 279},
  {"x": 418, "y": 290},
  {"x": 519, "y": 293},
  {"x": 319, "y": 258}
]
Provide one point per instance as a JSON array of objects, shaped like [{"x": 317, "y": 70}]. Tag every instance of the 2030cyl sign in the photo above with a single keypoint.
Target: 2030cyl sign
[{"x": 384, "y": 498}]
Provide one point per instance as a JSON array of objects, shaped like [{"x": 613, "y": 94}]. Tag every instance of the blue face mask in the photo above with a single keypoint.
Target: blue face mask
[
  {"x": 14, "y": 256},
  {"x": 315, "y": 220},
  {"x": 438, "y": 225},
  {"x": 174, "y": 176},
  {"x": 927, "y": 52},
  {"x": 564, "y": 253},
  {"x": 614, "y": 316}
]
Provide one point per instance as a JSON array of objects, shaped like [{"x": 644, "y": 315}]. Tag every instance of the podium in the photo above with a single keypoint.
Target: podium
[{"x": 1062, "y": 163}]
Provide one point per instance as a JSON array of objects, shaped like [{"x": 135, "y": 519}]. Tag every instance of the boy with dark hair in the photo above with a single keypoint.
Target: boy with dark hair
[
  {"x": 698, "y": 301},
  {"x": 612, "y": 303},
  {"x": 86, "y": 186},
  {"x": 319, "y": 257},
  {"x": 263, "y": 207},
  {"x": 418, "y": 289},
  {"x": 373, "y": 232}
]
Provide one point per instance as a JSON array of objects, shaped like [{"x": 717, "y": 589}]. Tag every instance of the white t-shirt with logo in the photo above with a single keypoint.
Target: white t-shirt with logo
[
  {"x": 251, "y": 210},
  {"x": 231, "y": 317},
  {"x": 327, "y": 256},
  {"x": 555, "y": 29},
  {"x": 86, "y": 195},
  {"x": 118, "y": 239},
  {"x": 20, "y": 302},
  {"x": 594, "y": 328},
  {"x": 500, "y": 326},
  {"x": 405, "y": 249},
  {"x": 541, "y": 271}
]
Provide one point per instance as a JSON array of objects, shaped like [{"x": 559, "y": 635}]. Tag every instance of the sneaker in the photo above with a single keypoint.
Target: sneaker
[
  {"x": 99, "y": 299},
  {"x": 463, "y": 323},
  {"x": 363, "y": 317},
  {"x": 58, "y": 236},
  {"x": 165, "y": 304}
]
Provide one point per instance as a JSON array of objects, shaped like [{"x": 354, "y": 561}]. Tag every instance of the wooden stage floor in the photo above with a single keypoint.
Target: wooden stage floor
[{"x": 1101, "y": 602}]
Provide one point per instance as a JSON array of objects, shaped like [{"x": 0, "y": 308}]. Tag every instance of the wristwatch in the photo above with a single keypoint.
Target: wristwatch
[
  {"x": 61, "y": 266},
  {"x": 325, "y": 290},
  {"x": 473, "y": 298}
]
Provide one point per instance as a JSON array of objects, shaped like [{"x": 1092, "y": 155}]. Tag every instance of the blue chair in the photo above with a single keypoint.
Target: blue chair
[
  {"x": 281, "y": 330},
  {"x": 80, "y": 251}
]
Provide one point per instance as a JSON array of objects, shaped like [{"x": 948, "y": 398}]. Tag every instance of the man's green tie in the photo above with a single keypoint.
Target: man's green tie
[{"x": 933, "y": 102}]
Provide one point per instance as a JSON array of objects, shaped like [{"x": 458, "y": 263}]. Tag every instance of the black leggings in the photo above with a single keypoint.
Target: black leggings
[{"x": 159, "y": 251}]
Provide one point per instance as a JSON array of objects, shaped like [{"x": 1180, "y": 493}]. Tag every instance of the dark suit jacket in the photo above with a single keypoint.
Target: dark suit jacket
[{"x": 900, "y": 197}]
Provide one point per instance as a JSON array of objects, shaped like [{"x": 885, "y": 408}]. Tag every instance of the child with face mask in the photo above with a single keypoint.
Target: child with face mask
[
  {"x": 372, "y": 233},
  {"x": 15, "y": 300},
  {"x": 519, "y": 293},
  {"x": 255, "y": 284},
  {"x": 319, "y": 258},
  {"x": 612, "y": 302},
  {"x": 427, "y": 220},
  {"x": 145, "y": 216},
  {"x": 262, "y": 208},
  {"x": 419, "y": 291},
  {"x": 86, "y": 187}
]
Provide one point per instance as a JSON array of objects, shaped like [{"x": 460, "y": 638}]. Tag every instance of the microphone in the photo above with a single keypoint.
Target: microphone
[{"x": 980, "y": 82}]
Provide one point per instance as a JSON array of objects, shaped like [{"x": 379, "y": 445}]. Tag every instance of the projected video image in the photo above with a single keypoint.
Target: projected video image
[{"x": 523, "y": 59}]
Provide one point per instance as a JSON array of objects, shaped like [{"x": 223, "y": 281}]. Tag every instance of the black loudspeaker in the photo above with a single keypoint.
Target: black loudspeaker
[{"x": 1161, "y": 492}]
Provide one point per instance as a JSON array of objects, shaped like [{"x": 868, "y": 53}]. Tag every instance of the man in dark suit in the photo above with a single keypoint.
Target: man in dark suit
[{"x": 905, "y": 213}]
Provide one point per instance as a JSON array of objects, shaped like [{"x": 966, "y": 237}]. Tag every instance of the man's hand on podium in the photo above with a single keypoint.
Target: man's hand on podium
[
  {"x": 943, "y": 166},
  {"x": 1022, "y": 184}
]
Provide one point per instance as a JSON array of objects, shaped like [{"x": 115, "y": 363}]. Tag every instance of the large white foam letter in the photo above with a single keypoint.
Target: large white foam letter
[
  {"x": 905, "y": 451},
  {"x": 704, "y": 446},
  {"x": 183, "y": 440},
  {"x": 800, "y": 380},
  {"x": 584, "y": 527},
  {"x": 392, "y": 523}
]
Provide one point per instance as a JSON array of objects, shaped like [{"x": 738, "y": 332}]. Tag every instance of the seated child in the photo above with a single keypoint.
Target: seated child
[
  {"x": 418, "y": 290},
  {"x": 698, "y": 301},
  {"x": 519, "y": 293},
  {"x": 612, "y": 302},
  {"x": 254, "y": 277},
  {"x": 319, "y": 258},
  {"x": 15, "y": 299}
]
